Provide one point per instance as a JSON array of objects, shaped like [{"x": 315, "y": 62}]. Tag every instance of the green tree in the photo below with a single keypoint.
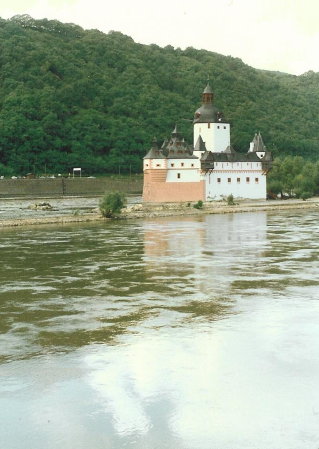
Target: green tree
[{"x": 112, "y": 204}]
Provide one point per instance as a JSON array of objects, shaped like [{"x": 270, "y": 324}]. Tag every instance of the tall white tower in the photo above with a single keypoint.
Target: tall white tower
[{"x": 209, "y": 126}]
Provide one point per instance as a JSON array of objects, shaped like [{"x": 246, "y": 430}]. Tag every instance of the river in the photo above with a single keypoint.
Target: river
[{"x": 186, "y": 333}]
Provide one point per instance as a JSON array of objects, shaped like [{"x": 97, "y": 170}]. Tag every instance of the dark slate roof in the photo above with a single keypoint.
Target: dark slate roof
[
  {"x": 174, "y": 148},
  {"x": 209, "y": 158},
  {"x": 233, "y": 157},
  {"x": 208, "y": 89},
  {"x": 208, "y": 112},
  {"x": 258, "y": 143},
  {"x": 155, "y": 152},
  {"x": 200, "y": 145},
  {"x": 177, "y": 148},
  {"x": 229, "y": 149}
]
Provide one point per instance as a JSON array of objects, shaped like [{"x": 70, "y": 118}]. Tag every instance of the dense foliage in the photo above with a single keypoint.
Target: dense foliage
[
  {"x": 76, "y": 98},
  {"x": 293, "y": 176}
]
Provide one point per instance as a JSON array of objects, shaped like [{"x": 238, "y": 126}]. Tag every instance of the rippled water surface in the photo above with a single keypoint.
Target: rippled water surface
[{"x": 175, "y": 333}]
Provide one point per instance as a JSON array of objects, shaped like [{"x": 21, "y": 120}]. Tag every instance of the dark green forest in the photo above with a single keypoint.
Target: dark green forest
[{"x": 81, "y": 98}]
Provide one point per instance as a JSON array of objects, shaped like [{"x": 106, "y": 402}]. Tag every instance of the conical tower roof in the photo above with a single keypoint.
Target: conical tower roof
[
  {"x": 200, "y": 145},
  {"x": 258, "y": 144}
]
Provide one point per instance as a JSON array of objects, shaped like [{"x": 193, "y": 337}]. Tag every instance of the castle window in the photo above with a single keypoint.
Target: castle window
[
  {"x": 218, "y": 127},
  {"x": 229, "y": 180},
  {"x": 172, "y": 165},
  {"x": 219, "y": 180},
  {"x": 224, "y": 127},
  {"x": 208, "y": 125},
  {"x": 256, "y": 180},
  {"x": 238, "y": 180},
  {"x": 178, "y": 176},
  {"x": 247, "y": 179},
  {"x": 146, "y": 165},
  {"x": 192, "y": 165},
  {"x": 182, "y": 164},
  {"x": 158, "y": 165}
]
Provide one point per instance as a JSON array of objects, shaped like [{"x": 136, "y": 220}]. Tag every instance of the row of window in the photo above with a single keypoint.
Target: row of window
[
  {"x": 172, "y": 165},
  {"x": 238, "y": 180},
  {"x": 218, "y": 127},
  {"x": 239, "y": 164}
]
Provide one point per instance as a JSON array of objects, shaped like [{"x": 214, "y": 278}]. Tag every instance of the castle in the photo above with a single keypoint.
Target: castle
[{"x": 211, "y": 169}]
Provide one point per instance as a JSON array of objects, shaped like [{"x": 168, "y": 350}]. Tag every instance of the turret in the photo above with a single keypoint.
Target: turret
[
  {"x": 210, "y": 126},
  {"x": 257, "y": 146},
  {"x": 207, "y": 113}
]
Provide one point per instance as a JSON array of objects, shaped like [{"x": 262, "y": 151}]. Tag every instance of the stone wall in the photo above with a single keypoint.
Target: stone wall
[{"x": 69, "y": 186}]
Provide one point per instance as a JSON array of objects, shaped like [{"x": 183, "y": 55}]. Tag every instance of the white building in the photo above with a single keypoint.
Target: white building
[{"x": 212, "y": 169}]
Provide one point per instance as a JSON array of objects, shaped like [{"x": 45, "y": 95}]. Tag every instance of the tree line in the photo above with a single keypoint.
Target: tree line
[
  {"x": 293, "y": 176},
  {"x": 82, "y": 98}
]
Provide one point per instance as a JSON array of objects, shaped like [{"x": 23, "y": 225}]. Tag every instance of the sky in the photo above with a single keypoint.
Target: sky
[{"x": 266, "y": 34}]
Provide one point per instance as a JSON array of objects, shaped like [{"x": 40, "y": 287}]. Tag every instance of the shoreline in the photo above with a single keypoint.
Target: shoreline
[{"x": 144, "y": 210}]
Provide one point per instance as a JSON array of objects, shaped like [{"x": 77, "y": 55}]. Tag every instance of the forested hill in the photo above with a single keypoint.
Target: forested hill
[{"x": 76, "y": 98}]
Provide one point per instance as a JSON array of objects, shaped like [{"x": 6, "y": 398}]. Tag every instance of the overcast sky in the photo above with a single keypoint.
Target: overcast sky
[{"x": 267, "y": 34}]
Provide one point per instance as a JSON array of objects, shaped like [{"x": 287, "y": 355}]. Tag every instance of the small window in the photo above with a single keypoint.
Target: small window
[
  {"x": 256, "y": 180},
  {"x": 208, "y": 125},
  {"x": 219, "y": 180},
  {"x": 218, "y": 126},
  {"x": 158, "y": 165},
  {"x": 238, "y": 180},
  {"x": 182, "y": 164},
  {"x": 192, "y": 165},
  {"x": 172, "y": 165},
  {"x": 247, "y": 179},
  {"x": 146, "y": 165},
  {"x": 178, "y": 176},
  {"x": 224, "y": 127},
  {"x": 229, "y": 180}
]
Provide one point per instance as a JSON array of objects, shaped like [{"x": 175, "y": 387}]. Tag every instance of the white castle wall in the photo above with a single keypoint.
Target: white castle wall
[
  {"x": 215, "y": 135},
  {"x": 154, "y": 163},
  {"x": 239, "y": 183},
  {"x": 183, "y": 170}
]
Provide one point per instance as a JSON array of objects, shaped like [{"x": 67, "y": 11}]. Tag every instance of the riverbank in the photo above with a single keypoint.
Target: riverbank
[{"x": 82, "y": 210}]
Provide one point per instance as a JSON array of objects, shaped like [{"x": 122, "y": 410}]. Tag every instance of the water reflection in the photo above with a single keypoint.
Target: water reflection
[{"x": 180, "y": 332}]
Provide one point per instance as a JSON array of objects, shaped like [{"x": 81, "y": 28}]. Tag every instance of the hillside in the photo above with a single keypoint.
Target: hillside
[{"x": 76, "y": 98}]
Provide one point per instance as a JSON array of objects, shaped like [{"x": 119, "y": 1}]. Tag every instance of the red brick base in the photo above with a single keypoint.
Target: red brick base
[{"x": 172, "y": 192}]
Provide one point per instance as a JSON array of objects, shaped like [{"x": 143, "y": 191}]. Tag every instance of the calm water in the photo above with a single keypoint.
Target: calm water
[{"x": 180, "y": 333}]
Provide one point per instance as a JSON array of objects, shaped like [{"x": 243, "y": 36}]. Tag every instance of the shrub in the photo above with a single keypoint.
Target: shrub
[
  {"x": 305, "y": 195},
  {"x": 112, "y": 204},
  {"x": 199, "y": 205},
  {"x": 230, "y": 200}
]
